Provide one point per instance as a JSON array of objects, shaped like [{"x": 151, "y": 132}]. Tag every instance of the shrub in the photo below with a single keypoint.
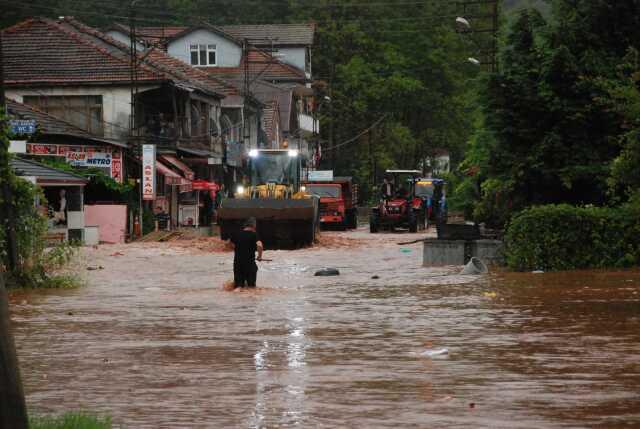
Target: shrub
[
  {"x": 563, "y": 237},
  {"x": 70, "y": 421}
]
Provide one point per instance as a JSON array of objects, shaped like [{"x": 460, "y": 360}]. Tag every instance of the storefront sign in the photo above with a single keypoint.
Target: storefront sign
[
  {"x": 99, "y": 159},
  {"x": 116, "y": 169},
  {"x": 326, "y": 175},
  {"x": 89, "y": 159},
  {"x": 148, "y": 172},
  {"x": 22, "y": 126},
  {"x": 76, "y": 158}
]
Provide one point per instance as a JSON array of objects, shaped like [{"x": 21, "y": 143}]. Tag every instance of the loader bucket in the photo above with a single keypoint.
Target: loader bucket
[{"x": 281, "y": 223}]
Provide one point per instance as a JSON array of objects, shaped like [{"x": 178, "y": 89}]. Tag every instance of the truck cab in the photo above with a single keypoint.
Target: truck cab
[{"x": 337, "y": 202}]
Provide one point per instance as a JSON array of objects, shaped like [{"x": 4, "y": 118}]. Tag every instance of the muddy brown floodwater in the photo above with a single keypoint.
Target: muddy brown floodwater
[{"x": 153, "y": 341}]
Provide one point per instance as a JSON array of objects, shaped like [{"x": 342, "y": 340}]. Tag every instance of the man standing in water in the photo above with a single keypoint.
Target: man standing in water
[{"x": 246, "y": 244}]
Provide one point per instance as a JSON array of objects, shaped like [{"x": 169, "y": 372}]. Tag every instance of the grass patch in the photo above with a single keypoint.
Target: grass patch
[
  {"x": 70, "y": 421},
  {"x": 62, "y": 281}
]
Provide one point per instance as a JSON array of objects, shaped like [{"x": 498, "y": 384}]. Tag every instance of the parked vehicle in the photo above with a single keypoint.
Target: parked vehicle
[
  {"x": 338, "y": 202},
  {"x": 286, "y": 216},
  {"x": 402, "y": 210},
  {"x": 431, "y": 190}
]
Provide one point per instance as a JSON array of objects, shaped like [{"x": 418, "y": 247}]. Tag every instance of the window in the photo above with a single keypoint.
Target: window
[
  {"x": 83, "y": 111},
  {"x": 203, "y": 55}
]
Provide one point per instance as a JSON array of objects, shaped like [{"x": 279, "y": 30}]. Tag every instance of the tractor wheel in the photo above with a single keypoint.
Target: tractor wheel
[{"x": 373, "y": 224}]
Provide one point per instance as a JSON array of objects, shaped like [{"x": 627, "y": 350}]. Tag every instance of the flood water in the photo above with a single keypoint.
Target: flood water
[{"x": 154, "y": 342}]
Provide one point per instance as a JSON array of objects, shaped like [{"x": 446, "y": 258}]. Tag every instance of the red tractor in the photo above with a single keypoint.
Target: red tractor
[
  {"x": 403, "y": 208},
  {"x": 338, "y": 198}
]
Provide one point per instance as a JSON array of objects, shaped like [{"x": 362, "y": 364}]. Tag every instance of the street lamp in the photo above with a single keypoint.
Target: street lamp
[{"x": 463, "y": 24}]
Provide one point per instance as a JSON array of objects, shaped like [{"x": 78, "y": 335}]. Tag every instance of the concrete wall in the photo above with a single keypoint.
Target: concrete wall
[
  {"x": 110, "y": 219},
  {"x": 228, "y": 54},
  {"x": 458, "y": 252},
  {"x": 116, "y": 103}
]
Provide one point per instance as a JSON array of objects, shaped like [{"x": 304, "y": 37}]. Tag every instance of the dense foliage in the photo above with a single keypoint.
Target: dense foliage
[
  {"x": 563, "y": 237},
  {"x": 560, "y": 117},
  {"x": 35, "y": 263}
]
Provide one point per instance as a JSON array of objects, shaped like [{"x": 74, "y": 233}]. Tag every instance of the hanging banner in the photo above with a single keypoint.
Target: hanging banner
[
  {"x": 116, "y": 169},
  {"x": 148, "y": 172}
]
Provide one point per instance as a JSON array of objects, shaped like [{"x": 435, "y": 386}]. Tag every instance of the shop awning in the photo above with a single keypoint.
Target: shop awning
[
  {"x": 172, "y": 178},
  {"x": 188, "y": 173},
  {"x": 203, "y": 185}
]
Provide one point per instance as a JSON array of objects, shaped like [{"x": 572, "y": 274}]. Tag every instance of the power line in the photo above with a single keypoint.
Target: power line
[{"x": 346, "y": 142}]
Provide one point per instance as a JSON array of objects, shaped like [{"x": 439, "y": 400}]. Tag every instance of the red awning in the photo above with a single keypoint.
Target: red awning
[
  {"x": 203, "y": 185},
  {"x": 173, "y": 178},
  {"x": 188, "y": 173}
]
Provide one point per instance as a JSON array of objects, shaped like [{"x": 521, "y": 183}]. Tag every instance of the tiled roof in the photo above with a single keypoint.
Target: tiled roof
[
  {"x": 261, "y": 35},
  {"x": 152, "y": 36},
  {"x": 262, "y": 66},
  {"x": 43, "y": 173},
  {"x": 43, "y": 51},
  {"x": 280, "y": 34},
  {"x": 160, "y": 60},
  {"x": 154, "y": 60}
]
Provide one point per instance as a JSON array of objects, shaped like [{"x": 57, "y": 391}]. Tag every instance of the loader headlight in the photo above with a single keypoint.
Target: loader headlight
[
  {"x": 293, "y": 153},
  {"x": 240, "y": 190},
  {"x": 253, "y": 153},
  {"x": 303, "y": 188}
]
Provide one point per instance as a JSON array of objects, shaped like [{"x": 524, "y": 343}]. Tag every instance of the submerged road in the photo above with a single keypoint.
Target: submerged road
[{"x": 154, "y": 342}]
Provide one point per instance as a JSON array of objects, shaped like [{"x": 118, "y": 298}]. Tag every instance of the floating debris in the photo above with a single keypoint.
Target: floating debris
[
  {"x": 325, "y": 272},
  {"x": 435, "y": 352}
]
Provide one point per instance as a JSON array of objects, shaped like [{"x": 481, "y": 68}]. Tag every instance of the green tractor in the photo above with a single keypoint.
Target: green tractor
[{"x": 286, "y": 216}]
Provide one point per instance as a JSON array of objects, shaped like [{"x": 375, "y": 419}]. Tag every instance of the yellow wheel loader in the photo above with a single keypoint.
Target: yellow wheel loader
[{"x": 286, "y": 216}]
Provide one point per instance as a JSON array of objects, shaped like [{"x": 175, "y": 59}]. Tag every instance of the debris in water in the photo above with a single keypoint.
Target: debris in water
[
  {"x": 490, "y": 294},
  {"x": 100, "y": 267},
  {"x": 435, "y": 352},
  {"x": 405, "y": 250},
  {"x": 70, "y": 313},
  {"x": 375, "y": 277},
  {"x": 117, "y": 254},
  {"x": 327, "y": 272},
  {"x": 537, "y": 272},
  {"x": 472, "y": 405},
  {"x": 474, "y": 267}
]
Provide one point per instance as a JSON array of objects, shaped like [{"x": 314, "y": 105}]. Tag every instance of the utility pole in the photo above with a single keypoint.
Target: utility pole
[
  {"x": 133, "y": 47},
  {"x": 331, "y": 148},
  {"x": 13, "y": 410}
]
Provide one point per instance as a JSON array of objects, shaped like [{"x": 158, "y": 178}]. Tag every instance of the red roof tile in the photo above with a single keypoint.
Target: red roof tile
[
  {"x": 43, "y": 51},
  {"x": 262, "y": 66}
]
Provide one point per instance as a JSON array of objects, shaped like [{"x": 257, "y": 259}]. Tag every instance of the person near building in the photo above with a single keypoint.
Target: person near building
[{"x": 245, "y": 244}]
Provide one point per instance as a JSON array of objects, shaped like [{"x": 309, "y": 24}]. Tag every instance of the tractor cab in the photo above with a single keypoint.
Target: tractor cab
[
  {"x": 431, "y": 191},
  {"x": 404, "y": 209}
]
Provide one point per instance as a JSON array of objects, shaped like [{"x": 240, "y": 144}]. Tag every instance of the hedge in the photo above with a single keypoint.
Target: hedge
[{"x": 563, "y": 237}]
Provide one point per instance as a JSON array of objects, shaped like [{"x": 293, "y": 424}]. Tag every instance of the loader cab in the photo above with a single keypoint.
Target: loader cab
[{"x": 273, "y": 173}]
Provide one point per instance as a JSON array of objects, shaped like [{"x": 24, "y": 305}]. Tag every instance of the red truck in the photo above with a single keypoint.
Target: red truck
[{"x": 338, "y": 201}]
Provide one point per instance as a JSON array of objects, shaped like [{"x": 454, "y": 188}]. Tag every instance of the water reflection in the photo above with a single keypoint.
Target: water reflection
[{"x": 531, "y": 351}]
